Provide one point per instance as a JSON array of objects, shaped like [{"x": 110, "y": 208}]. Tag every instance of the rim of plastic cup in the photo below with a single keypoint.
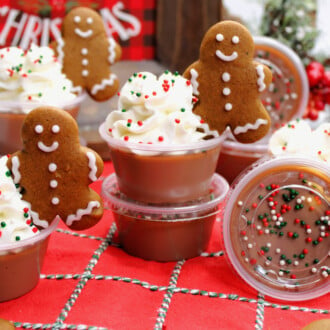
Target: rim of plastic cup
[
  {"x": 297, "y": 63},
  {"x": 259, "y": 147},
  {"x": 220, "y": 185},
  {"x": 117, "y": 143},
  {"x": 233, "y": 194},
  {"x": 8, "y": 247},
  {"x": 26, "y": 107}
]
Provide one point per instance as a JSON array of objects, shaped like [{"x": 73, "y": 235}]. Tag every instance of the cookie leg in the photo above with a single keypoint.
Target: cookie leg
[
  {"x": 86, "y": 216},
  {"x": 105, "y": 89},
  {"x": 254, "y": 127}
]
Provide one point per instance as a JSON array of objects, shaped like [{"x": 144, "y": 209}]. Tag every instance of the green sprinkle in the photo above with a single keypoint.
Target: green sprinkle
[
  {"x": 123, "y": 110},
  {"x": 182, "y": 109},
  {"x": 315, "y": 261},
  {"x": 3, "y": 224},
  {"x": 17, "y": 238}
]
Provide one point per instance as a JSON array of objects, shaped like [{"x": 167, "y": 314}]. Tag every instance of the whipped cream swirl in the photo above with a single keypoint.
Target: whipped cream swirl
[
  {"x": 32, "y": 77},
  {"x": 155, "y": 110},
  {"x": 297, "y": 137},
  {"x": 15, "y": 219}
]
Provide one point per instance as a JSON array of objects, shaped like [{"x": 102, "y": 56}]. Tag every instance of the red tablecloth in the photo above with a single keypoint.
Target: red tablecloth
[{"x": 88, "y": 282}]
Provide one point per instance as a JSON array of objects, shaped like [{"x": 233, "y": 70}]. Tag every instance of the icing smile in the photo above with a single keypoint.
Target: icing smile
[
  {"x": 45, "y": 148},
  {"x": 227, "y": 58},
  {"x": 83, "y": 34}
]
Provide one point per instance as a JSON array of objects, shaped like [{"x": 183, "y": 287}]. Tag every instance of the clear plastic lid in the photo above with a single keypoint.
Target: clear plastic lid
[{"x": 276, "y": 227}]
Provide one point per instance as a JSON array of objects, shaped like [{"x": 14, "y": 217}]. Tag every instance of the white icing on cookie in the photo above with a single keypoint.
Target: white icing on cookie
[
  {"x": 15, "y": 169},
  {"x": 225, "y": 77},
  {"x": 52, "y": 167},
  {"x": 59, "y": 48},
  {"x": 219, "y": 37},
  {"x": 55, "y": 129},
  {"x": 92, "y": 165},
  {"x": 104, "y": 83},
  {"x": 235, "y": 40},
  {"x": 84, "y": 51},
  {"x": 226, "y": 58},
  {"x": 53, "y": 184},
  {"x": 194, "y": 82},
  {"x": 261, "y": 78},
  {"x": 84, "y": 73},
  {"x": 37, "y": 221},
  {"x": 81, "y": 212},
  {"x": 77, "y": 19},
  {"x": 55, "y": 201},
  {"x": 84, "y": 61},
  {"x": 89, "y": 20},
  {"x": 50, "y": 148},
  {"x": 83, "y": 34},
  {"x": 228, "y": 106},
  {"x": 111, "y": 49},
  {"x": 249, "y": 126},
  {"x": 226, "y": 91},
  {"x": 39, "y": 129}
]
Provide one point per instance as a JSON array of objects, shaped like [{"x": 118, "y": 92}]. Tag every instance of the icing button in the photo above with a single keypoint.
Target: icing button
[
  {"x": 226, "y": 91},
  {"x": 55, "y": 201},
  {"x": 53, "y": 184},
  {"x": 84, "y": 51},
  {"x": 52, "y": 167},
  {"x": 228, "y": 106},
  {"x": 85, "y": 73}
]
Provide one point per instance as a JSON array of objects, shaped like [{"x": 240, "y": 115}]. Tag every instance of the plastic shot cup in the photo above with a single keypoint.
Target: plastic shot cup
[
  {"x": 276, "y": 227},
  {"x": 21, "y": 263},
  {"x": 165, "y": 232}
]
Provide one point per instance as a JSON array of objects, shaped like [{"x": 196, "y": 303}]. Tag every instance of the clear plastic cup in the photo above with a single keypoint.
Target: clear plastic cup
[
  {"x": 163, "y": 173},
  {"x": 21, "y": 264},
  {"x": 12, "y": 117},
  {"x": 276, "y": 227},
  {"x": 235, "y": 157},
  {"x": 167, "y": 232},
  {"x": 287, "y": 96}
]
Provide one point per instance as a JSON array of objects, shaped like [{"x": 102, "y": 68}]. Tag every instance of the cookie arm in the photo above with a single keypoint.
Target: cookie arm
[
  {"x": 95, "y": 164},
  {"x": 264, "y": 76},
  {"x": 13, "y": 164},
  {"x": 115, "y": 51},
  {"x": 192, "y": 74}
]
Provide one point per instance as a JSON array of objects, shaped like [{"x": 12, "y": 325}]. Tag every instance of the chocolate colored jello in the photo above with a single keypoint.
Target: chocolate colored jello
[
  {"x": 277, "y": 226},
  {"x": 165, "y": 232}
]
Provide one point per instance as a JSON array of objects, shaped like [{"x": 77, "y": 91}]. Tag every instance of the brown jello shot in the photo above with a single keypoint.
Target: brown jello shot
[
  {"x": 285, "y": 99},
  {"x": 21, "y": 263},
  {"x": 165, "y": 232},
  {"x": 164, "y": 174},
  {"x": 276, "y": 227}
]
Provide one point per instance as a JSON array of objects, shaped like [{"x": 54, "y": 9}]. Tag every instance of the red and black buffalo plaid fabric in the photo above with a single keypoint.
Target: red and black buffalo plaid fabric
[
  {"x": 130, "y": 22},
  {"x": 89, "y": 282}
]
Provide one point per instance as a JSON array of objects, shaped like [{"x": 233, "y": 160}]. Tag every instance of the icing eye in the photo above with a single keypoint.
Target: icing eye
[
  {"x": 235, "y": 40},
  {"x": 89, "y": 20},
  {"x": 55, "y": 129},
  {"x": 39, "y": 129},
  {"x": 77, "y": 19},
  {"x": 219, "y": 37}
]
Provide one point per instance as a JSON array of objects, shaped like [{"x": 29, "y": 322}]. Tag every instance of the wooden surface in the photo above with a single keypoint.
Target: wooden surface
[{"x": 181, "y": 25}]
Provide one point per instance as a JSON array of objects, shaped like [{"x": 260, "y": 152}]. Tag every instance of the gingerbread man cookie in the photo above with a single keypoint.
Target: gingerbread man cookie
[
  {"x": 228, "y": 82},
  {"x": 54, "y": 171},
  {"x": 86, "y": 53}
]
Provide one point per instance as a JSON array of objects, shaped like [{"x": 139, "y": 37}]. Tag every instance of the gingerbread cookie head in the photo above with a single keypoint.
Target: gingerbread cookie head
[
  {"x": 82, "y": 23},
  {"x": 54, "y": 171},
  {"x": 228, "y": 83},
  {"x": 87, "y": 53}
]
